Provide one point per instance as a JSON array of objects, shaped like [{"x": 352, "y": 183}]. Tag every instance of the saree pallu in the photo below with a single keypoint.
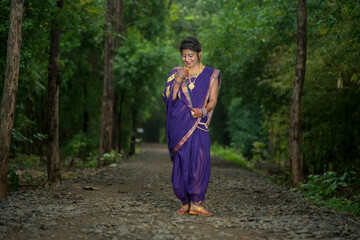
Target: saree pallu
[{"x": 188, "y": 138}]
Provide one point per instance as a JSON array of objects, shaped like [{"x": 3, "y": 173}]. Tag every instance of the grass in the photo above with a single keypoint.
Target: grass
[{"x": 231, "y": 154}]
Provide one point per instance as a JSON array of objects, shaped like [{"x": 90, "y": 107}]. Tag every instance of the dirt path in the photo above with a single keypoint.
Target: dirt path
[{"x": 135, "y": 201}]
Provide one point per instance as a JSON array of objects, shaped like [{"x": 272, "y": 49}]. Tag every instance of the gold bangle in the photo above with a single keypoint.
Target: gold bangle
[{"x": 177, "y": 81}]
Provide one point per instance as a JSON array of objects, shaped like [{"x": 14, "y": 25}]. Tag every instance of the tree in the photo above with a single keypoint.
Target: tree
[
  {"x": 117, "y": 117},
  {"x": 108, "y": 101},
  {"x": 10, "y": 89},
  {"x": 295, "y": 124},
  {"x": 53, "y": 166}
]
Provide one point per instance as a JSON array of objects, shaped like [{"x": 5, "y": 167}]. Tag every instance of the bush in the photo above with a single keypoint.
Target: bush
[
  {"x": 111, "y": 157},
  {"x": 230, "y": 154},
  {"x": 77, "y": 147},
  {"x": 14, "y": 180},
  {"x": 328, "y": 184},
  {"x": 25, "y": 161},
  {"x": 324, "y": 189}
]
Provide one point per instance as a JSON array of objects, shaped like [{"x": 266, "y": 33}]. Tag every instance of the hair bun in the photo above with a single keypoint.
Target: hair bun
[{"x": 191, "y": 43}]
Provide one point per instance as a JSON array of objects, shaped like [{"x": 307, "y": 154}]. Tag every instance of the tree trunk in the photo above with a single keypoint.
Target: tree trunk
[
  {"x": 120, "y": 121},
  {"x": 10, "y": 89},
  {"x": 295, "y": 124},
  {"x": 85, "y": 113},
  {"x": 108, "y": 92},
  {"x": 53, "y": 158},
  {"x": 27, "y": 147},
  {"x": 119, "y": 12},
  {"x": 115, "y": 141},
  {"x": 119, "y": 23},
  {"x": 272, "y": 145},
  {"x": 133, "y": 134}
]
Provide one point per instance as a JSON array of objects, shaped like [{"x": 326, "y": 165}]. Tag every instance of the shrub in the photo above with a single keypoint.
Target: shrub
[{"x": 324, "y": 189}]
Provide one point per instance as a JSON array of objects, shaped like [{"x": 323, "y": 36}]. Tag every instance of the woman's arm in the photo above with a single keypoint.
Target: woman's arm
[
  {"x": 212, "y": 101},
  {"x": 213, "y": 97},
  {"x": 176, "y": 87},
  {"x": 179, "y": 79}
]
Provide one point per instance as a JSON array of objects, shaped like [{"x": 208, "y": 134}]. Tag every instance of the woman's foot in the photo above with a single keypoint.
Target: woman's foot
[
  {"x": 184, "y": 209},
  {"x": 197, "y": 209}
]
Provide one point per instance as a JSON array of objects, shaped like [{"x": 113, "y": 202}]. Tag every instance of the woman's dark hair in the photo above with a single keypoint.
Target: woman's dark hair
[{"x": 190, "y": 43}]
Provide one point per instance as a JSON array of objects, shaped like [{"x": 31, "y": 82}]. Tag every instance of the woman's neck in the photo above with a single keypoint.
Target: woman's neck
[{"x": 195, "y": 69}]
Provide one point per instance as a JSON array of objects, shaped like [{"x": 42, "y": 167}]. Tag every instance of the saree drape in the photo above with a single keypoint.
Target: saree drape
[{"x": 188, "y": 138}]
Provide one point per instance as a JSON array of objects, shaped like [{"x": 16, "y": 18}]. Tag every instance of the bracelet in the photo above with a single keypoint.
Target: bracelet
[
  {"x": 204, "y": 112},
  {"x": 181, "y": 75},
  {"x": 177, "y": 81}
]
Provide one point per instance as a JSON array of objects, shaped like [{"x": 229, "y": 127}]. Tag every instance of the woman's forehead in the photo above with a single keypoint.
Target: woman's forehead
[{"x": 188, "y": 52}]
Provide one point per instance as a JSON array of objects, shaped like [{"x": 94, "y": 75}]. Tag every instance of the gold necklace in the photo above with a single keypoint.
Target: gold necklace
[{"x": 192, "y": 84}]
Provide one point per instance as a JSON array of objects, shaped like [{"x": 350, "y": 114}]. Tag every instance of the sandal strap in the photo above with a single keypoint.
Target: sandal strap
[{"x": 199, "y": 205}]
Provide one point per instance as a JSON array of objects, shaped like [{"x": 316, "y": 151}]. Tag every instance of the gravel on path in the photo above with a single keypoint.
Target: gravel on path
[{"x": 134, "y": 200}]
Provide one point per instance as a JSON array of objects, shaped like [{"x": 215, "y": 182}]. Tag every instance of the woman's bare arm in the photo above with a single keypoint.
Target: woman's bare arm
[{"x": 212, "y": 101}]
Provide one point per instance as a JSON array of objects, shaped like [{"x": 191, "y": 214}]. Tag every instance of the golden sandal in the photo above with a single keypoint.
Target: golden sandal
[
  {"x": 184, "y": 209},
  {"x": 200, "y": 210}
]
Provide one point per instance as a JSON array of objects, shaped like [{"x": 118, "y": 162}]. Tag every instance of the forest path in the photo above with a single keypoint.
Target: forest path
[{"x": 135, "y": 201}]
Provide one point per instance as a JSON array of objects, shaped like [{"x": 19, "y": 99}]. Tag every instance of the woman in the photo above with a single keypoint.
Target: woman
[{"x": 190, "y": 95}]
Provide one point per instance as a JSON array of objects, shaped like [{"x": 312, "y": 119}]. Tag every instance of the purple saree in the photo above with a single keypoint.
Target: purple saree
[{"x": 188, "y": 138}]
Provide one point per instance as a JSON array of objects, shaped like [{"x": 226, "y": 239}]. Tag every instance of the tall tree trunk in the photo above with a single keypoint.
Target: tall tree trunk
[
  {"x": 10, "y": 89},
  {"x": 85, "y": 113},
  {"x": 53, "y": 158},
  {"x": 133, "y": 134},
  {"x": 115, "y": 141},
  {"x": 120, "y": 121},
  {"x": 108, "y": 92},
  {"x": 295, "y": 124},
  {"x": 119, "y": 23},
  {"x": 28, "y": 146},
  {"x": 119, "y": 12},
  {"x": 272, "y": 145}
]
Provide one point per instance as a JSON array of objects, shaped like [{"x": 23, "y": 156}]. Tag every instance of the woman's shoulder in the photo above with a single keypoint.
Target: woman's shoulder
[
  {"x": 210, "y": 69},
  {"x": 175, "y": 69}
]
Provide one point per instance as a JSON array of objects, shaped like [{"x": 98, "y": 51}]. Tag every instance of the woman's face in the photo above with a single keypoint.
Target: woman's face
[{"x": 190, "y": 58}]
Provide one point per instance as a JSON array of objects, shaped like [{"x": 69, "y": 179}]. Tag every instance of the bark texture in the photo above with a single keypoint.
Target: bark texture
[
  {"x": 119, "y": 24},
  {"x": 108, "y": 101},
  {"x": 295, "y": 123},
  {"x": 133, "y": 135},
  {"x": 10, "y": 89},
  {"x": 53, "y": 158}
]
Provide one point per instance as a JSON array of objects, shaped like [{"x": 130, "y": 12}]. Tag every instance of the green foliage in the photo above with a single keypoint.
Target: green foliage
[
  {"x": 342, "y": 204},
  {"x": 259, "y": 152},
  {"x": 282, "y": 180},
  {"x": 244, "y": 125},
  {"x": 14, "y": 180},
  {"x": 91, "y": 161},
  {"x": 324, "y": 191},
  {"x": 253, "y": 43},
  {"x": 25, "y": 161},
  {"x": 328, "y": 184},
  {"x": 231, "y": 154},
  {"x": 141, "y": 67},
  {"x": 111, "y": 157},
  {"x": 77, "y": 147}
]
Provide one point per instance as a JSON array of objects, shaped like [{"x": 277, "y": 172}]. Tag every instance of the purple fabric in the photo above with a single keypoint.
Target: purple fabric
[
  {"x": 191, "y": 162},
  {"x": 191, "y": 168}
]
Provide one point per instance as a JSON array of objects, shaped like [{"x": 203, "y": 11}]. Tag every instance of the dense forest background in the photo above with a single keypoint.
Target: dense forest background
[{"x": 252, "y": 42}]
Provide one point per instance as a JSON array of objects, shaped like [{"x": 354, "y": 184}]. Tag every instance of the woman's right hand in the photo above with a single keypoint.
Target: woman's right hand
[{"x": 183, "y": 72}]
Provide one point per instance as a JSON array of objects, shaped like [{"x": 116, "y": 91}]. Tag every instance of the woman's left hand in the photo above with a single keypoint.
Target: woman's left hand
[{"x": 196, "y": 112}]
